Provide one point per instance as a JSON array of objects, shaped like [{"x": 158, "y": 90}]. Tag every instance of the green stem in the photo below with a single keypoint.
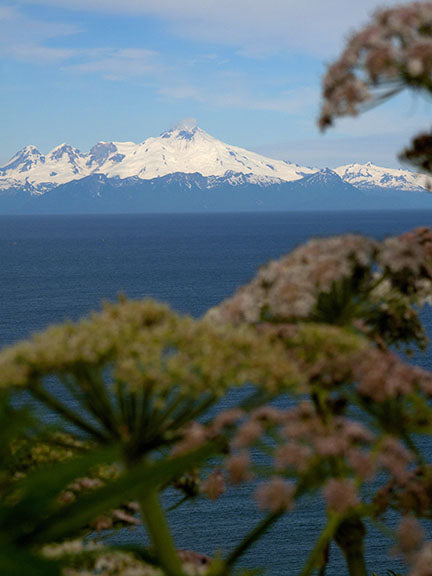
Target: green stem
[
  {"x": 411, "y": 445},
  {"x": 356, "y": 563},
  {"x": 178, "y": 503},
  {"x": 40, "y": 393},
  {"x": 349, "y": 537},
  {"x": 317, "y": 554},
  {"x": 160, "y": 534},
  {"x": 252, "y": 537},
  {"x": 325, "y": 560}
]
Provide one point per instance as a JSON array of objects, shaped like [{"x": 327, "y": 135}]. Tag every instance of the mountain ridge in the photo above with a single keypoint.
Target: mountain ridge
[
  {"x": 186, "y": 169},
  {"x": 186, "y": 149},
  {"x": 177, "y": 150}
]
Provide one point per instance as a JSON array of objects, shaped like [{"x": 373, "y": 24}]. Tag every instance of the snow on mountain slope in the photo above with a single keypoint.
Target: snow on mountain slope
[
  {"x": 189, "y": 150},
  {"x": 366, "y": 176},
  {"x": 192, "y": 150},
  {"x": 324, "y": 177},
  {"x": 186, "y": 149},
  {"x": 29, "y": 166}
]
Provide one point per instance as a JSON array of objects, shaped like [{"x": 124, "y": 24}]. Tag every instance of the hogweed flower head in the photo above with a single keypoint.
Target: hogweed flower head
[
  {"x": 341, "y": 495},
  {"x": 422, "y": 564},
  {"x": 214, "y": 485},
  {"x": 137, "y": 370},
  {"x": 371, "y": 287},
  {"x": 393, "y": 51},
  {"x": 287, "y": 289},
  {"x": 277, "y": 495},
  {"x": 238, "y": 467},
  {"x": 410, "y": 536}
]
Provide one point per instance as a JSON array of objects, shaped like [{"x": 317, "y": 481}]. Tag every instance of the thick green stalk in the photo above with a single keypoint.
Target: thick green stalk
[
  {"x": 316, "y": 556},
  {"x": 349, "y": 537},
  {"x": 355, "y": 562},
  {"x": 160, "y": 534}
]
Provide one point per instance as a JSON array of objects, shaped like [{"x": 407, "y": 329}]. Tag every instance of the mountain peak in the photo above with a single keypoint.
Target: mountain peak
[
  {"x": 60, "y": 146},
  {"x": 26, "y": 152},
  {"x": 187, "y": 124},
  {"x": 369, "y": 175},
  {"x": 30, "y": 149},
  {"x": 100, "y": 152},
  {"x": 328, "y": 172},
  {"x": 184, "y": 130},
  {"x": 23, "y": 160},
  {"x": 324, "y": 176},
  {"x": 180, "y": 134},
  {"x": 64, "y": 148},
  {"x": 187, "y": 149}
]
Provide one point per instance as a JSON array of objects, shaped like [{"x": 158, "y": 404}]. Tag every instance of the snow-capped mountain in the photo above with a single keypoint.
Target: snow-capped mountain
[
  {"x": 325, "y": 177},
  {"x": 30, "y": 167},
  {"x": 187, "y": 170},
  {"x": 369, "y": 176},
  {"x": 185, "y": 149}
]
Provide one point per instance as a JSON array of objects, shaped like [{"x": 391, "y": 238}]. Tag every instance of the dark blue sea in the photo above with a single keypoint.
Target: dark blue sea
[{"x": 55, "y": 268}]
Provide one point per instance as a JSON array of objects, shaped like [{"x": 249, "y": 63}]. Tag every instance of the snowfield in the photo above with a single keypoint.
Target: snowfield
[{"x": 184, "y": 149}]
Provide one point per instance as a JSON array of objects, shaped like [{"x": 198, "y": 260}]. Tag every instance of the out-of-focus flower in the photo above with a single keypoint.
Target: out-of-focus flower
[
  {"x": 341, "y": 495},
  {"x": 393, "y": 52},
  {"x": 276, "y": 495},
  {"x": 422, "y": 565},
  {"x": 214, "y": 486},
  {"x": 410, "y": 535},
  {"x": 287, "y": 289},
  {"x": 238, "y": 468}
]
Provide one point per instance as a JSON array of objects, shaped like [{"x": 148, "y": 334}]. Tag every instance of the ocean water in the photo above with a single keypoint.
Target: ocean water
[{"x": 55, "y": 268}]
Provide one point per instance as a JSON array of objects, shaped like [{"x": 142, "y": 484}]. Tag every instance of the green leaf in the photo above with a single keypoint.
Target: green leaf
[
  {"x": 130, "y": 485},
  {"x": 17, "y": 562},
  {"x": 39, "y": 491}
]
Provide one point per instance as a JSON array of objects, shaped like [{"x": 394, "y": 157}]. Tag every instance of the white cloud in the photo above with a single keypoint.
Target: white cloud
[
  {"x": 254, "y": 26},
  {"x": 392, "y": 118},
  {"x": 324, "y": 152},
  {"x": 296, "y": 102},
  {"x": 118, "y": 64},
  {"x": 16, "y": 25},
  {"x": 24, "y": 38},
  {"x": 40, "y": 54},
  {"x": 380, "y": 144},
  {"x": 233, "y": 91},
  {"x": 32, "y": 40}
]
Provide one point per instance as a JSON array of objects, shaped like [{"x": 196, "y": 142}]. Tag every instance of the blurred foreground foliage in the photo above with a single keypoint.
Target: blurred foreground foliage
[
  {"x": 130, "y": 396},
  {"x": 98, "y": 418},
  {"x": 392, "y": 53}
]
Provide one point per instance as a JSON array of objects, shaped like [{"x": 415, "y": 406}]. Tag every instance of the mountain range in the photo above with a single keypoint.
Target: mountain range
[{"x": 187, "y": 170}]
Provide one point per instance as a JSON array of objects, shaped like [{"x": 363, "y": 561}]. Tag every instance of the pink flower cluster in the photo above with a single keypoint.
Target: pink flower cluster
[
  {"x": 288, "y": 288},
  {"x": 376, "y": 287},
  {"x": 409, "y": 492},
  {"x": 408, "y": 260},
  {"x": 382, "y": 376},
  {"x": 393, "y": 51},
  {"x": 352, "y": 427}
]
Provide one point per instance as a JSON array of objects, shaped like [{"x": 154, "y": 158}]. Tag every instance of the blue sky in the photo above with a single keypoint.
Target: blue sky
[{"x": 249, "y": 71}]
